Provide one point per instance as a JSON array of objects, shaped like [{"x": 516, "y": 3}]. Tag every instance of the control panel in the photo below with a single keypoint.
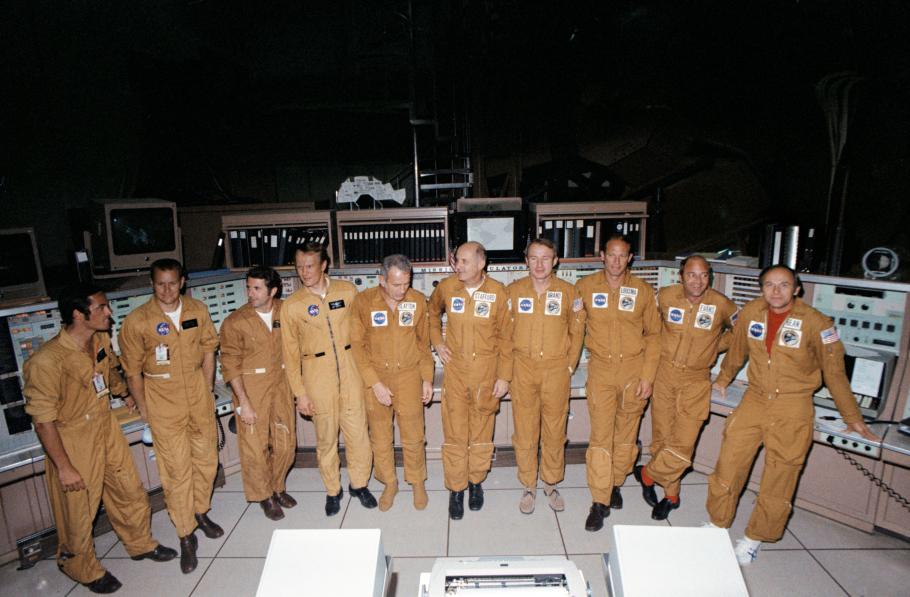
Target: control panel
[
  {"x": 864, "y": 316},
  {"x": 222, "y": 298}
]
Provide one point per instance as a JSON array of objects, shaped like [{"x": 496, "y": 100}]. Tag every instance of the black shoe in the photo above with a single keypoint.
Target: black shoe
[
  {"x": 456, "y": 505},
  {"x": 333, "y": 503},
  {"x": 188, "y": 561},
  {"x": 647, "y": 491},
  {"x": 208, "y": 528},
  {"x": 271, "y": 508},
  {"x": 475, "y": 496},
  {"x": 616, "y": 499},
  {"x": 106, "y": 584},
  {"x": 159, "y": 554},
  {"x": 662, "y": 510},
  {"x": 285, "y": 500},
  {"x": 363, "y": 494},
  {"x": 595, "y": 520}
]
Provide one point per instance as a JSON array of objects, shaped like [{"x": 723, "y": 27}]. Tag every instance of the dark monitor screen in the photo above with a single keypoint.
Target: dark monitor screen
[
  {"x": 142, "y": 230},
  {"x": 17, "y": 260}
]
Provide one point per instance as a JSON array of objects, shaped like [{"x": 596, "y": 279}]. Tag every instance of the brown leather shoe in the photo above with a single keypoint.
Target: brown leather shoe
[
  {"x": 271, "y": 508},
  {"x": 188, "y": 561},
  {"x": 159, "y": 554},
  {"x": 104, "y": 585},
  {"x": 205, "y": 524},
  {"x": 285, "y": 500}
]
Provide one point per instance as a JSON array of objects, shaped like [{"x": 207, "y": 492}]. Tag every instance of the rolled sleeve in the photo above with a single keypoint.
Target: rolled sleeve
[
  {"x": 42, "y": 389},
  {"x": 132, "y": 348},
  {"x": 231, "y": 350}
]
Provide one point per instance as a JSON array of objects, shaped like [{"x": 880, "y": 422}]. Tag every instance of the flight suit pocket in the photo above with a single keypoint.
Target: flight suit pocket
[{"x": 484, "y": 401}]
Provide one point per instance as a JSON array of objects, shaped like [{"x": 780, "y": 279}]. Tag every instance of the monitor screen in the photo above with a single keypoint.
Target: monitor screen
[
  {"x": 17, "y": 260},
  {"x": 137, "y": 231},
  {"x": 495, "y": 234}
]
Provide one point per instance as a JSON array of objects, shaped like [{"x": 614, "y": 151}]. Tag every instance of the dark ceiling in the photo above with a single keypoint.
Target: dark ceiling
[{"x": 212, "y": 101}]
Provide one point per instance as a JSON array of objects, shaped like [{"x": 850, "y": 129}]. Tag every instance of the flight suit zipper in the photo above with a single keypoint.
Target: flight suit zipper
[{"x": 328, "y": 320}]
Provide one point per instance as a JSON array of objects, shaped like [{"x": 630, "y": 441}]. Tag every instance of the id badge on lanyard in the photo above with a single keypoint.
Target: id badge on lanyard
[
  {"x": 99, "y": 385},
  {"x": 162, "y": 355}
]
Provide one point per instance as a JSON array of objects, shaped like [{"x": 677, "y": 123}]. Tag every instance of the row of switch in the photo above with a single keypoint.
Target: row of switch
[{"x": 866, "y": 325}]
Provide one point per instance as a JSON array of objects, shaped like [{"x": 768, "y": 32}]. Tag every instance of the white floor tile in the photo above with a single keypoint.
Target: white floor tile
[
  {"x": 230, "y": 576},
  {"x": 44, "y": 578},
  {"x": 150, "y": 579},
  {"x": 882, "y": 573},
  {"x": 406, "y": 575},
  {"x": 305, "y": 479},
  {"x": 777, "y": 573},
  {"x": 576, "y": 476},
  {"x": 227, "y": 509},
  {"x": 233, "y": 482},
  {"x": 592, "y": 569},
  {"x": 104, "y": 543},
  {"x": 502, "y": 477},
  {"x": 251, "y": 536},
  {"x": 691, "y": 513},
  {"x": 406, "y": 532},
  {"x": 572, "y": 521},
  {"x": 500, "y": 529},
  {"x": 818, "y": 532}
]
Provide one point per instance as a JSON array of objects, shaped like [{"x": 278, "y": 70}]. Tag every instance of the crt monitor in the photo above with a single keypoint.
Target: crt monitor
[
  {"x": 870, "y": 373},
  {"x": 129, "y": 234},
  {"x": 20, "y": 266},
  {"x": 498, "y": 224}
]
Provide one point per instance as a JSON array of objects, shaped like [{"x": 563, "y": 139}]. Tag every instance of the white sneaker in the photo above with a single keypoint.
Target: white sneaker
[
  {"x": 709, "y": 525},
  {"x": 746, "y": 550}
]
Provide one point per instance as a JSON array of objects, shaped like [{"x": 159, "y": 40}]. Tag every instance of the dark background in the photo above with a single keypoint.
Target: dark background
[{"x": 708, "y": 109}]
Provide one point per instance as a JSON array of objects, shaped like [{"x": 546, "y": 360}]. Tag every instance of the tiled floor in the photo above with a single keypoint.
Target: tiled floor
[{"x": 816, "y": 557}]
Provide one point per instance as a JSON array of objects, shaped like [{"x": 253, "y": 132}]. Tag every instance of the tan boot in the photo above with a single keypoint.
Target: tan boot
[
  {"x": 526, "y": 505},
  {"x": 388, "y": 496},
  {"x": 420, "y": 496},
  {"x": 553, "y": 498}
]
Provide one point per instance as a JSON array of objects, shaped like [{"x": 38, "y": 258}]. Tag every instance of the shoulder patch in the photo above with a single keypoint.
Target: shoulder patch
[{"x": 830, "y": 336}]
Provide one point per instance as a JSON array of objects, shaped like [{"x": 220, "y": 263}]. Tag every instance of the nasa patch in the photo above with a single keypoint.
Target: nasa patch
[
  {"x": 675, "y": 315},
  {"x": 599, "y": 300},
  {"x": 790, "y": 338},
  {"x": 457, "y": 304},
  {"x": 406, "y": 317},
  {"x": 757, "y": 330},
  {"x": 380, "y": 319},
  {"x": 313, "y": 310},
  {"x": 163, "y": 329},
  {"x": 703, "y": 321},
  {"x": 482, "y": 309},
  {"x": 525, "y": 305}
]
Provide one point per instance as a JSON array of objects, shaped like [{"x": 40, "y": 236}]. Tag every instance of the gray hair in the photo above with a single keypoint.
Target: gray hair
[{"x": 398, "y": 261}]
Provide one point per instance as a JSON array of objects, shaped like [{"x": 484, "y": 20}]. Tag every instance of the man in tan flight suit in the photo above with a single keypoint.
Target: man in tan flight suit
[
  {"x": 390, "y": 336},
  {"x": 697, "y": 324},
  {"x": 251, "y": 363},
  {"x": 323, "y": 376},
  {"x": 623, "y": 337},
  {"x": 68, "y": 386},
  {"x": 547, "y": 332},
  {"x": 168, "y": 349},
  {"x": 791, "y": 349},
  {"x": 477, "y": 358}
]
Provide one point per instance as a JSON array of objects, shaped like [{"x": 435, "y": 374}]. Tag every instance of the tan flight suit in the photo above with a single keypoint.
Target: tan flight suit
[
  {"x": 393, "y": 347},
  {"x": 623, "y": 337},
  {"x": 478, "y": 334},
  {"x": 252, "y": 352},
  {"x": 179, "y": 403},
  {"x": 691, "y": 337},
  {"x": 547, "y": 332},
  {"x": 776, "y": 411},
  {"x": 59, "y": 388},
  {"x": 317, "y": 356}
]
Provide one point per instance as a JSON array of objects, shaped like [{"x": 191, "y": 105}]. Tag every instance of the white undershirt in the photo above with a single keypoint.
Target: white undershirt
[
  {"x": 175, "y": 315},
  {"x": 267, "y": 318}
]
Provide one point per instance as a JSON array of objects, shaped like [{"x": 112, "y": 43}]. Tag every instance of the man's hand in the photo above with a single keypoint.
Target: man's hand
[
  {"x": 383, "y": 393},
  {"x": 445, "y": 355},
  {"x": 644, "y": 389},
  {"x": 500, "y": 388},
  {"x": 71, "y": 479},
  {"x": 427, "y": 393},
  {"x": 130, "y": 404},
  {"x": 861, "y": 428},
  {"x": 722, "y": 390},
  {"x": 247, "y": 413},
  {"x": 305, "y": 406}
]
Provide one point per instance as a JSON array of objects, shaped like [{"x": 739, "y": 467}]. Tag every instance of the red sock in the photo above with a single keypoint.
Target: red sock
[
  {"x": 674, "y": 499},
  {"x": 647, "y": 480}
]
